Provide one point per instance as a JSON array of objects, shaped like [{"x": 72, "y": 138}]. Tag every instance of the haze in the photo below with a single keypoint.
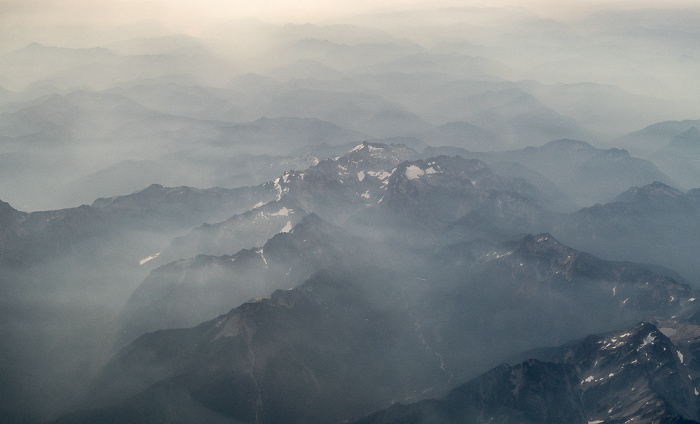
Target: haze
[{"x": 381, "y": 158}]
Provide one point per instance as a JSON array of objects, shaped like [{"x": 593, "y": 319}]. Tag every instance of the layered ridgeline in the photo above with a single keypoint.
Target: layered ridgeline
[
  {"x": 348, "y": 341},
  {"x": 427, "y": 245},
  {"x": 408, "y": 206},
  {"x": 33, "y": 237},
  {"x": 673, "y": 145},
  {"x": 585, "y": 173},
  {"x": 653, "y": 223},
  {"x": 372, "y": 190}
]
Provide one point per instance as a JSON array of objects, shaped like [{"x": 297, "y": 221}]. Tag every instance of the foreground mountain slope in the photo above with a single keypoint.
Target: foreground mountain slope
[
  {"x": 352, "y": 340},
  {"x": 288, "y": 357},
  {"x": 638, "y": 375}
]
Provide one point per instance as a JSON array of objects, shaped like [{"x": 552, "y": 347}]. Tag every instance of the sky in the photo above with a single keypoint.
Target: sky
[{"x": 192, "y": 15}]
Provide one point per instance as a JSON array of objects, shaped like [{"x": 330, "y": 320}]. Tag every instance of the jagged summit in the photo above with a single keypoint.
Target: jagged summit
[
  {"x": 396, "y": 153},
  {"x": 152, "y": 193},
  {"x": 651, "y": 199},
  {"x": 635, "y": 374},
  {"x": 657, "y": 191},
  {"x": 540, "y": 245},
  {"x": 313, "y": 220}
]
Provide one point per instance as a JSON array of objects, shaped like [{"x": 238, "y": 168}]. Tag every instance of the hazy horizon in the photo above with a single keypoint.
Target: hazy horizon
[{"x": 593, "y": 70}]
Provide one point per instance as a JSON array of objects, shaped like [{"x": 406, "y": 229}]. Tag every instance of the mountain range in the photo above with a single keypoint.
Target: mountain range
[{"x": 419, "y": 214}]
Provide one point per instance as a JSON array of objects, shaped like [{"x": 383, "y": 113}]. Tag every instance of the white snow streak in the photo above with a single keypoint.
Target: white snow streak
[
  {"x": 262, "y": 256},
  {"x": 150, "y": 258},
  {"x": 279, "y": 188}
]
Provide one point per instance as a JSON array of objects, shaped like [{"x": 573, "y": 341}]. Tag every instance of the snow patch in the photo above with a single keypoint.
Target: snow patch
[
  {"x": 680, "y": 356},
  {"x": 356, "y": 148},
  {"x": 283, "y": 212},
  {"x": 287, "y": 228},
  {"x": 257, "y": 205},
  {"x": 595, "y": 422},
  {"x": 413, "y": 172},
  {"x": 361, "y": 175},
  {"x": 382, "y": 175},
  {"x": 647, "y": 340},
  {"x": 365, "y": 194},
  {"x": 431, "y": 170},
  {"x": 150, "y": 258}
]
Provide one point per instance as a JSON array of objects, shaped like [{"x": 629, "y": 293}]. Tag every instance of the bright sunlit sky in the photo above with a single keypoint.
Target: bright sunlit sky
[{"x": 191, "y": 15}]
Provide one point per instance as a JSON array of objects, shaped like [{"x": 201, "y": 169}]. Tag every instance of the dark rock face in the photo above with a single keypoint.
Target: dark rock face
[
  {"x": 317, "y": 353},
  {"x": 637, "y": 375},
  {"x": 532, "y": 392}
]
